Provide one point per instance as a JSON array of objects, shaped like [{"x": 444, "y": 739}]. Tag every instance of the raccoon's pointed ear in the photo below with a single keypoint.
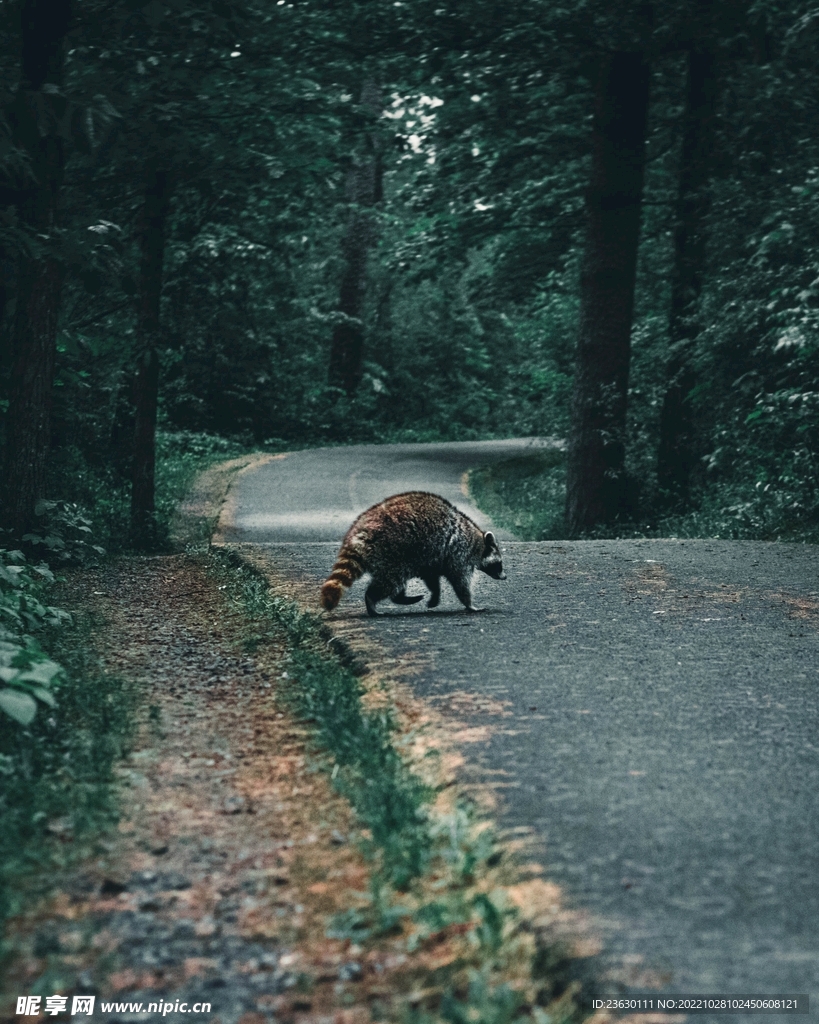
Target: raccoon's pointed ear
[{"x": 489, "y": 541}]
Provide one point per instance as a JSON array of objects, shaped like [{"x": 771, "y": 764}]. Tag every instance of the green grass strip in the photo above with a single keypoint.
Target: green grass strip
[
  {"x": 526, "y": 495},
  {"x": 390, "y": 801}
]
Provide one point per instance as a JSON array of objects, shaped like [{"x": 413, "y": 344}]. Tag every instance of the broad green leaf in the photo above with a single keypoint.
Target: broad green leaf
[
  {"x": 46, "y": 696},
  {"x": 8, "y": 575},
  {"x": 19, "y": 706},
  {"x": 43, "y": 672}
]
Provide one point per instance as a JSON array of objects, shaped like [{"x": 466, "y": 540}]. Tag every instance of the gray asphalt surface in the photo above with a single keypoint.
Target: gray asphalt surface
[
  {"x": 314, "y": 495},
  {"x": 662, "y": 731}
]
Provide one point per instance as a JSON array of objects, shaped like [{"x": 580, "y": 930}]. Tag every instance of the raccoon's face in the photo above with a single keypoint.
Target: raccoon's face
[{"x": 491, "y": 561}]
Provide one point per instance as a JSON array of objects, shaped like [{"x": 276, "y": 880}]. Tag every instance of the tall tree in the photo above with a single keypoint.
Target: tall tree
[
  {"x": 596, "y": 458},
  {"x": 676, "y": 454},
  {"x": 364, "y": 191},
  {"x": 39, "y": 116},
  {"x": 171, "y": 126},
  {"x": 154, "y": 219}
]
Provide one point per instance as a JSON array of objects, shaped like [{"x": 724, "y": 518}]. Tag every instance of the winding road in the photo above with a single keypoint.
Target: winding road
[{"x": 652, "y": 708}]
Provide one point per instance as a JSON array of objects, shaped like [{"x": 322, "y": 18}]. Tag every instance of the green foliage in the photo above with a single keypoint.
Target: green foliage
[
  {"x": 64, "y": 535},
  {"x": 387, "y": 798},
  {"x": 448, "y": 363},
  {"x": 760, "y": 370},
  {"x": 181, "y": 456},
  {"x": 485, "y": 1003},
  {"x": 99, "y": 487},
  {"x": 56, "y": 770},
  {"x": 471, "y": 292},
  {"x": 756, "y": 356},
  {"x": 27, "y": 675}
]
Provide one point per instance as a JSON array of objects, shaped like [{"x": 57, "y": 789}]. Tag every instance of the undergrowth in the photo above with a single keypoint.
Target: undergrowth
[
  {"x": 57, "y": 790},
  {"x": 437, "y": 876},
  {"x": 102, "y": 491},
  {"x": 63, "y": 722},
  {"x": 527, "y": 495}
]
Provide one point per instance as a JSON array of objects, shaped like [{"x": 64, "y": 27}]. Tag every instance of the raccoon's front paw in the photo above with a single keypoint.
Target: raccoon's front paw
[
  {"x": 471, "y": 608},
  {"x": 433, "y": 602}
]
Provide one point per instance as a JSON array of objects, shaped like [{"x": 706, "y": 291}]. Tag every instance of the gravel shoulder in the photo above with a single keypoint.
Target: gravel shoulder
[{"x": 233, "y": 850}]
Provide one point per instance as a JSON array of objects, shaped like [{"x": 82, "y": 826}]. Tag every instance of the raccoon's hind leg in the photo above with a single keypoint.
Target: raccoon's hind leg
[
  {"x": 380, "y": 590},
  {"x": 372, "y": 595},
  {"x": 433, "y": 584},
  {"x": 400, "y": 597},
  {"x": 462, "y": 585}
]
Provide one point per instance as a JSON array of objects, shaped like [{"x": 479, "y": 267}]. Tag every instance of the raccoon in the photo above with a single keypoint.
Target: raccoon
[{"x": 412, "y": 535}]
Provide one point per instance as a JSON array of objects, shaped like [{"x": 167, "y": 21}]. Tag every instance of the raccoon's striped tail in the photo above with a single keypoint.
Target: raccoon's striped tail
[{"x": 346, "y": 571}]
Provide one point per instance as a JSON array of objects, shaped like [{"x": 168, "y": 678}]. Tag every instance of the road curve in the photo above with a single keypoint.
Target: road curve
[
  {"x": 652, "y": 710},
  {"x": 314, "y": 495}
]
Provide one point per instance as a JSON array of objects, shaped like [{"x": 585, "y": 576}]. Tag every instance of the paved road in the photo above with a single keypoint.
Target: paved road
[
  {"x": 314, "y": 495},
  {"x": 662, "y": 726}
]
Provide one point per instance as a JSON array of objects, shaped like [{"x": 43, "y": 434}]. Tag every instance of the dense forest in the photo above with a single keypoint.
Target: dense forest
[
  {"x": 283, "y": 224},
  {"x": 239, "y": 225}
]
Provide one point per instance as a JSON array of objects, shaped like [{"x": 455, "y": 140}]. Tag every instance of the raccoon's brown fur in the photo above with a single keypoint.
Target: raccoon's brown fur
[{"x": 412, "y": 535}]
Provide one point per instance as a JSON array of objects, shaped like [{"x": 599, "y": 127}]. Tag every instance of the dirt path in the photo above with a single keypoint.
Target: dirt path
[{"x": 232, "y": 851}]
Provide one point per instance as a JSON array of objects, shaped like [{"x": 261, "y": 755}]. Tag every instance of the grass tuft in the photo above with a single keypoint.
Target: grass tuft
[{"x": 526, "y": 495}]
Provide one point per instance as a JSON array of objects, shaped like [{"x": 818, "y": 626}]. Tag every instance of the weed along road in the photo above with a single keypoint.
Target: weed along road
[{"x": 650, "y": 709}]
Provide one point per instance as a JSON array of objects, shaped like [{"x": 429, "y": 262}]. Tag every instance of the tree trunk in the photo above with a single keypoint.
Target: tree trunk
[
  {"x": 596, "y": 459},
  {"x": 364, "y": 189},
  {"x": 34, "y": 116},
  {"x": 146, "y": 382},
  {"x": 677, "y": 450}
]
